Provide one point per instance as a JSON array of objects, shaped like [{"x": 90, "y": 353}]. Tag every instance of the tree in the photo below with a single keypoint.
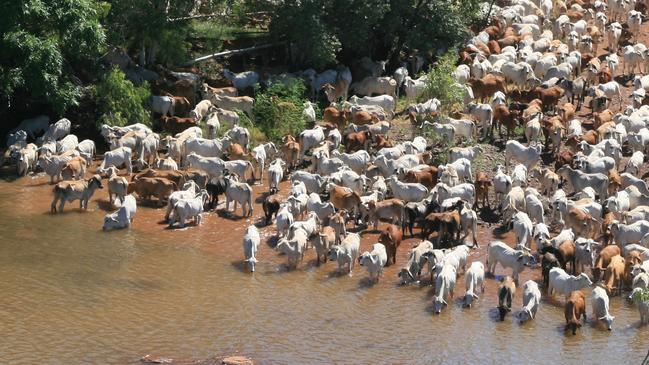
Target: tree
[
  {"x": 148, "y": 26},
  {"x": 302, "y": 22},
  {"x": 121, "y": 102},
  {"x": 346, "y": 30},
  {"x": 48, "y": 48}
]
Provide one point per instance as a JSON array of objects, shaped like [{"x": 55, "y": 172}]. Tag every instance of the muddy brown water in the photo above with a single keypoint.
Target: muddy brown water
[{"x": 73, "y": 294}]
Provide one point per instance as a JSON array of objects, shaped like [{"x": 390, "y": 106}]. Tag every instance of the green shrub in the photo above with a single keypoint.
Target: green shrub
[
  {"x": 278, "y": 110},
  {"x": 120, "y": 102},
  {"x": 442, "y": 85},
  {"x": 642, "y": 295}
]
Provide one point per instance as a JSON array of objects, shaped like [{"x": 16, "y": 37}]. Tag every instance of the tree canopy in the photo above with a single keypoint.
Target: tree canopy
[{"x": 48, "y": 48}]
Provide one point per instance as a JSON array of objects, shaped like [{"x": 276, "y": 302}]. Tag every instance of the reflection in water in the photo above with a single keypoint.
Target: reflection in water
[{"x": 74, "y": 294}]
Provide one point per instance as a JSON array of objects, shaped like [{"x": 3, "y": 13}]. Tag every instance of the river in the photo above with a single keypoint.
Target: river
[{"x": 72, "y": 294}]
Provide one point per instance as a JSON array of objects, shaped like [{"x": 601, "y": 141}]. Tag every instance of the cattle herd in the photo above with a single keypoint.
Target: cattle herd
[{"x": 569, "y": 188}]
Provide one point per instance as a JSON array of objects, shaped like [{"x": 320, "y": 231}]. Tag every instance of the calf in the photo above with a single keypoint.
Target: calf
[
  {"x": 599, "y": 302},
  {"x": 444, "y": 286},
  {"x": 574, "y": 309},
  {"x": 294, "y": 248},
  {"x": 391, "y": 237},
  {"x": 531, "y": 301},
  {"x": 374, "y": 261},
  {"x": 188, "y": 208},
  {"x": 474, "y": 278},
  {"x": 506, "y": 292},
  {"x": 324, "y": 242},
  {"x": 614, "y": 275},
  {"x": 81, "y": 190},
  {"x": 346, "y": 252},
  {"x": 251, "y": 242},
  {"x": 123, "y": 217}
]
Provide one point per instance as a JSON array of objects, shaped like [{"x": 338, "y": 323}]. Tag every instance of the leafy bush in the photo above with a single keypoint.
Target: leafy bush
[
  {"x": 440, "y": 83},
  {"x": 642, "y": 295},
  {"x": 120, "y": 102},
  {"x": 278, "y": 110}
]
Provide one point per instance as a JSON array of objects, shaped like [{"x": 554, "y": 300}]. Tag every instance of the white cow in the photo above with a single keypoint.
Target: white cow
[
  {"x": 444, "y": 285},
  {"x": 242, "y": 80},
  {"x": 531, "y": 301},
  {"x": 563, "y": 283},
  {"x": 599, "y": 301},
  {"x": 214, "y": 166},
  {"x": 517, "y": 260},
  {"x": 374, "y": 261},
  {"x": 118, "y": 157},
  {"x": 275, "y": 175},
  {"x": 347, "y": 252},
  {"x": 188, "y": 209},
  {"x": 251, "y": 242},
  {"x": 57, "y": 130},
  {"x": 123, "y": 217},
  {"x": 474, "y": 279}
]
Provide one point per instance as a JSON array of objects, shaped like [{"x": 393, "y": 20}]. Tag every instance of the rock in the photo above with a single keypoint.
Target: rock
[{"x": 236, "y": 360}]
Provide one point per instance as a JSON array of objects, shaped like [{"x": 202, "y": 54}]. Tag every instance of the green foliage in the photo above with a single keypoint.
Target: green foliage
[
  {"x": 278, "y": 110},
  {"x": 150, "y": 27},
  {"x": 642, "y": 295},
  {"x": 46, "y": 47},
  {"x": 440, "y": 83},
  {"x": 303, "y": 23},
  {"x": 121, "y": 102},
  {"x": 351, "y": 29}
]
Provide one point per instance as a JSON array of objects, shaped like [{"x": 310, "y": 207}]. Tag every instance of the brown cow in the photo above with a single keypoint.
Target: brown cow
[
  {"x": 381, "y": 141},
  {"x": 175, "y": 125},
  {"x": 614, "y": 275},
  {"x": 391, "y": 237},
  {"x": 603, "y": 259},
  {"x": 485, "y": 87},
  {"x": 482, "y": 183},
  {"x": 82, "y": 190},
  {"x": 505, "y": 117},
  {"x": 609, "y": 217},
  {"x": 236, "y": 152},
  {"x": 614, "y": 182},
  {"x": 567, "y": 112},
  {"x": 582, "y": 223},
  {"x": 574, "y": 309},
  {"x": 336, "y": 90},
  {"x": 75, "y": 169},
  {"x": 344, "y": 198},
  {"x": 357, "y": 141},
  {"x": 145, "y": 187},
  {"x": 335, "y": 116},
  {"x": 550, "y": 96},
  {"x": 602, "y": 117},
  {"x": 426, "y": 176},
  {"x": 178, "y": 177},
  {"x": 362, "y": 117},
  {"x": 389, "y": 209},
  {"x": 290, "y": 151},
  {"x": 445, "y": 223}
]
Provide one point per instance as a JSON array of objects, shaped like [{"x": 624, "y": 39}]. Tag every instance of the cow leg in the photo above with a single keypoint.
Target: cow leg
[
  {"x": 53, "y": 206},
  {"x": 62, "y": 205}
]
